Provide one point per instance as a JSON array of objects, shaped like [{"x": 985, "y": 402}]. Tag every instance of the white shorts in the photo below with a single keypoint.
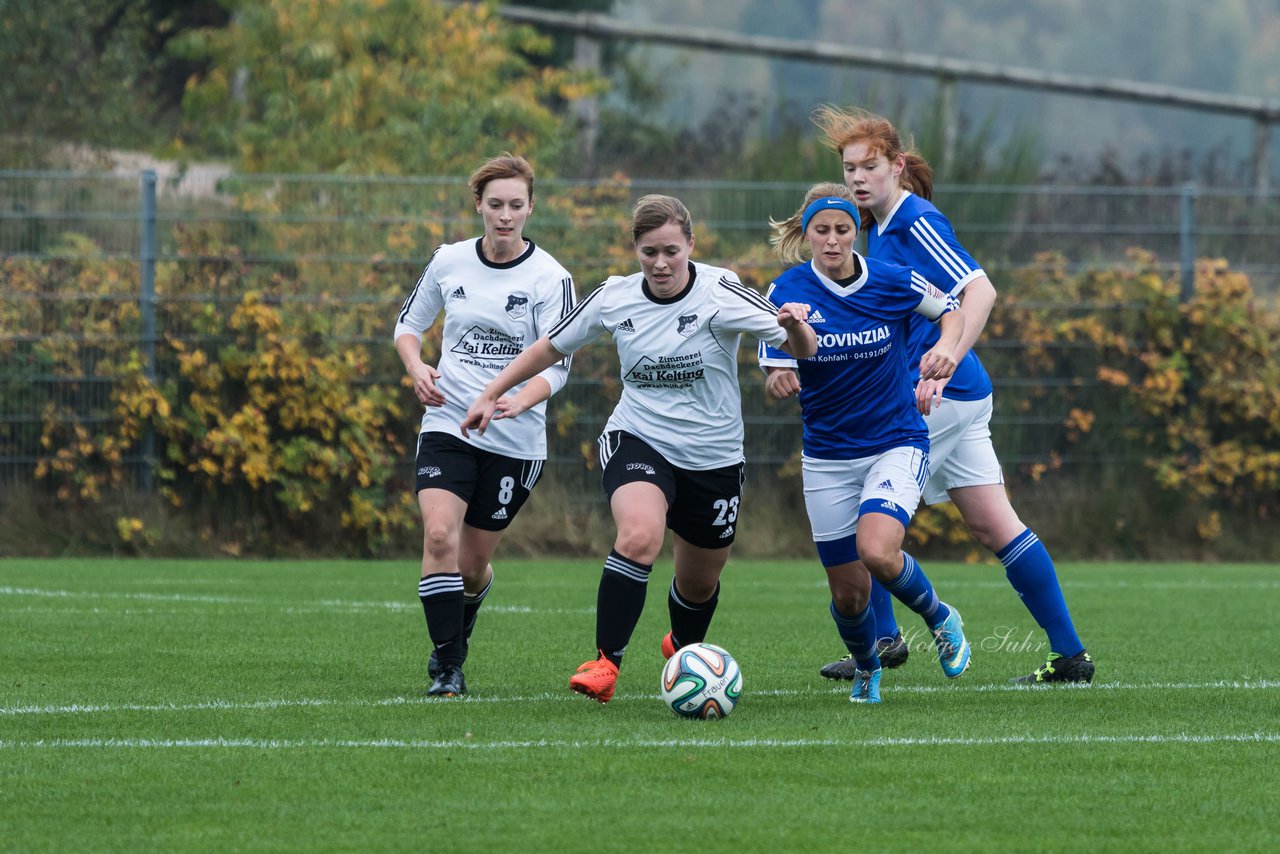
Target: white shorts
[
  {"x": 960, "y": 449},
  {"x": 835, "y": 490}
]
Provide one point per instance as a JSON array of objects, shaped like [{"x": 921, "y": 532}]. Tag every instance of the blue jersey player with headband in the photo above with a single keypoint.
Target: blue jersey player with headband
[
  {"x": 892, "y": 189},
  {"x": 865, "y": 447}
]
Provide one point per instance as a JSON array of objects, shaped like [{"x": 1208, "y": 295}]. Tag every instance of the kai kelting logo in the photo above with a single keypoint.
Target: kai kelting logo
[
  {"x": 479, "y": 346},
  {"x": 667, "y": 371},
  {"x": 517, "y": 306},
  {"x": 688, "y": 325}
]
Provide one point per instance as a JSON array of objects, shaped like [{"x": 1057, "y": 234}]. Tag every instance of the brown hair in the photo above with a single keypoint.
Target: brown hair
[
  {"x": 654, "y": 211},
  {"x": 842, "y": 128},
  {"x": 505, "y": 165},
  {"x": 788, "y": 240}
]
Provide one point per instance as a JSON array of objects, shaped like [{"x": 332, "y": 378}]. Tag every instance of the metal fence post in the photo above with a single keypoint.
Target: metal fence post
[
  {"x": 147, "y": 307},
  {"x": 1187, "y": 239}
]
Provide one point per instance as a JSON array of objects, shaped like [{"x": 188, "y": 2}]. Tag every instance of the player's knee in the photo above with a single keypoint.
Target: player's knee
[
  {"x": 850, "y": 601},
  {"x": 994, "y": 531},
  {"x": 640, "y": 543},
  {"x": 882, "y": 559},
  {"x": 439, "y": 541}
]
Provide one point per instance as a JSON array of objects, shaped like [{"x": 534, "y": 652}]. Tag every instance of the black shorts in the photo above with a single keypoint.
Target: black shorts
[
  {"x": 495, "y": 487},
  {"x": 702, "y": 506}
]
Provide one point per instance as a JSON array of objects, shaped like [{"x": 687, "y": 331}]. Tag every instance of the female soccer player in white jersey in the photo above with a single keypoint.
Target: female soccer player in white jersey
[
  {"x": 865, "y": 447},
  {"x": 892, "y": 187},
  {"x": 671, "y": 452},
  {"x": 499, "y": 293}
]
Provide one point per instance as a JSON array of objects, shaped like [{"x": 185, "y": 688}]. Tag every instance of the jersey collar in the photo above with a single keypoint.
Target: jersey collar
[
  {"x": 505, "y": 265},
  {"x": 845, "y": 290},
  {"x": 688, "y": 286},
  {"x": 881, "y": 226}
]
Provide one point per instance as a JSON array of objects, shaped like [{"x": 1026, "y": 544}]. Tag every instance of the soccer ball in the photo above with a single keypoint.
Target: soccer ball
[{"x": 701, "y": 681}]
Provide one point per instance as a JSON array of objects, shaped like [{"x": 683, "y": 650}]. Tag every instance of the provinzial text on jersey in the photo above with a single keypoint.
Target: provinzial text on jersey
[{"x": 853, "y": 339}]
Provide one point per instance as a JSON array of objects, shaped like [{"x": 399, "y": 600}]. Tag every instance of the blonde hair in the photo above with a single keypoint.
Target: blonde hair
[
  {"x": 841, "y": 128},
  {"x": 505, "y": 165},
  {"x": 788, "y": 240},
  {"x": 654, "y": 211}
]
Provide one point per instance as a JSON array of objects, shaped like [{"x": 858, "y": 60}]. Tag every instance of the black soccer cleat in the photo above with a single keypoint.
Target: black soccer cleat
[
  {"x": 893, "y": 653},
  {"x": 450, "y": 682},
  {"x": 1077, "y": 669}
]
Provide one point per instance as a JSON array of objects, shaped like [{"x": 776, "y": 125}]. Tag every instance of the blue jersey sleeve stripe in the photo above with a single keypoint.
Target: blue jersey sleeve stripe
[
  {"x": 577, "y": 309},
  {"x": 748, "y": 294},
  {"x": 408, "y": 302},
  {"x": 946, "y": 258},
  {"x": 919, "y": 283},
  {"x": 938, "y": 245}
]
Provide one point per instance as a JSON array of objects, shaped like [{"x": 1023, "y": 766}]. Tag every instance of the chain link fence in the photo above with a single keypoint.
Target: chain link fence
[{"x": 308, "y": 243}]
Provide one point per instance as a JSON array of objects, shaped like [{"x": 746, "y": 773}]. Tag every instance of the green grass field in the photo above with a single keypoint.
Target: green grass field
[{"x": 170, "y": 705}]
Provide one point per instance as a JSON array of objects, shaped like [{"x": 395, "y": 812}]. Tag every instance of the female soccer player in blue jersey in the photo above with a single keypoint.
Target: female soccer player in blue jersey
[
  {"x": 892, "y": 188},
  {"x": 865, "y": 446},
  {"x": 671, "y": 453}
]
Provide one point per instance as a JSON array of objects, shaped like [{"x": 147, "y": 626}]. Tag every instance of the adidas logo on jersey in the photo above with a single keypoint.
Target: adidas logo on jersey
[
  {"x": 458, "y": 293},
  {"x": 501, "y": 514},
  {"x": 626, "y": 326},
  {"x": 817, "y": 317},
  {"x": 885, "y": 484},
  {"x": 727, "y": 533}
]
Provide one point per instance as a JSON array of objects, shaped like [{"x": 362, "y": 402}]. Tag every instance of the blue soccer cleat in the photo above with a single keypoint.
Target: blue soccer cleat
[
  {"x": 953, "y": 649},
  {"x": 866, "y": 686}
]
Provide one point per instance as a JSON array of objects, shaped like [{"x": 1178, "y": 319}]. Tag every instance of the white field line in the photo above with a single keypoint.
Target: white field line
[
  {"x": 566, "y": 696},
  {"x": 681, "y": 743},
  {"x": 320, "y": 605}
]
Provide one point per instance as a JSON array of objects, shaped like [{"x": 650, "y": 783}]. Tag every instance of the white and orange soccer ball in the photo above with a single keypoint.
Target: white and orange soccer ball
[{"x": 701, "y": 681}]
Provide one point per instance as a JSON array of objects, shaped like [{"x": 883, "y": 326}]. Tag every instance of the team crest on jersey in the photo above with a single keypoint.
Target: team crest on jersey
[
  {"x": 517, "y": 306},
  {"x": 688, "y": 325}
]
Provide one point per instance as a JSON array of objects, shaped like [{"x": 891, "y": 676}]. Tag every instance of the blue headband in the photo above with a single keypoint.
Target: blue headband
[{"x": 829, "y": 203}]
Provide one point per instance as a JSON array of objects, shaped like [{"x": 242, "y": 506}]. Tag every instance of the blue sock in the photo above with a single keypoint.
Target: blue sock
[
  {"x": 1030, "y": 570},
  {"x": 859, "y": 635},
  {"x": 882, "y": 604},
  {"x": 912, "y": 588}
]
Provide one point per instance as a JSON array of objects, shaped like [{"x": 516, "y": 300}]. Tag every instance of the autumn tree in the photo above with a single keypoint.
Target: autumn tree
[{"x": 387, "y": 87}]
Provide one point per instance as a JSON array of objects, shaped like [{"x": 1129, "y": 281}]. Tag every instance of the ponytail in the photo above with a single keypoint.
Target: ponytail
[{"x": 917, "y": 176}]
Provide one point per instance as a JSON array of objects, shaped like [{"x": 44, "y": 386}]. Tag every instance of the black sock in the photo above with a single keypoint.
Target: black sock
[
  {"x": 441, "y": 596},
  {"x": 471, "y": 608},
  {"x": 619, "y": 602},
  {"x": 690, "y": 620}
]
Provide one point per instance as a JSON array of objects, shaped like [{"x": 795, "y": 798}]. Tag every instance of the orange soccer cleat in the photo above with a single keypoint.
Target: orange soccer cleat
[{"x": 596, "y": 679}]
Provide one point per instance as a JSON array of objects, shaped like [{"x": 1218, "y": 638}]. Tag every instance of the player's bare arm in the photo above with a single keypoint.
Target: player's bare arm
[
  {"x": 977, "y": 299},
  {"x": 781, "y": 383},
  {"x": 421, "y": 375},
  {"x": 940, "y": 361},
  {"x": 537, "y": 357},
  {"x": 801, "y": 342},
  {"x": 534, "y": 392}
]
